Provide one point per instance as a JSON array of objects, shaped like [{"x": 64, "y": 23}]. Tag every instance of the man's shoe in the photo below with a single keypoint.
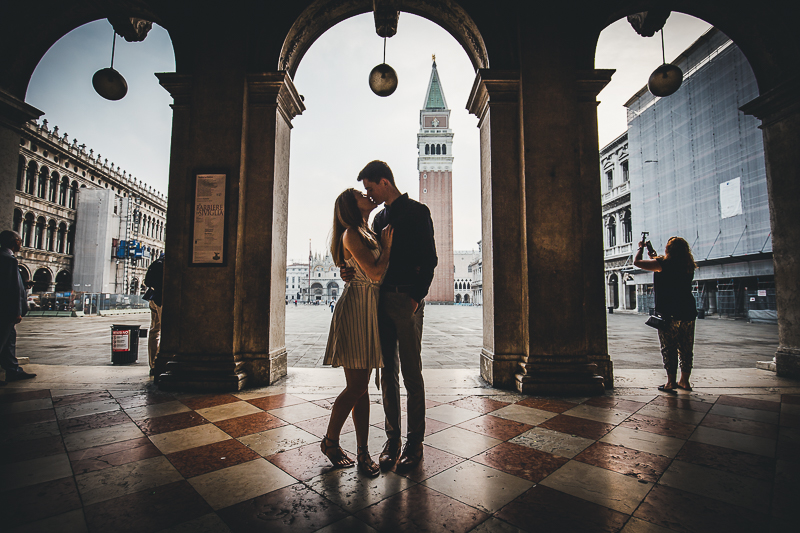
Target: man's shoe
[
  {"x": 412, "y": 455},
  {"x": 390, "y": 454},
  {"x": 18, "y": 375}
]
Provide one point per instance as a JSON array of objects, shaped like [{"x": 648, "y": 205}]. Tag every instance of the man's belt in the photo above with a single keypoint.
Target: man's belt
[{"x": 396, "y": 288}]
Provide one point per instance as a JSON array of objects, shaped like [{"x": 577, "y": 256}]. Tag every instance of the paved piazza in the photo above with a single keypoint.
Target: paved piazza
[{"x": 452, "y": 339}]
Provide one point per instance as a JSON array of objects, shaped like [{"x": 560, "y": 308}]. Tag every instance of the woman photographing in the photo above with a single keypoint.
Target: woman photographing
[{"x": 672, "y": 284}]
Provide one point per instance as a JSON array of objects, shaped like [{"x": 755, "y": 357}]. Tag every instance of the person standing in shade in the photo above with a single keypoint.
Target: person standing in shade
[
  {"x": 672, "y": 284},
  {"x": 401, "y": 310},
  {"x": 13, "y": 305},
  {"x": 154, "y": 279}
]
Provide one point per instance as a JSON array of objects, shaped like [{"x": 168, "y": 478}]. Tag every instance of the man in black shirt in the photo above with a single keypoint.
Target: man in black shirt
[{"x": 401, "y": 309}]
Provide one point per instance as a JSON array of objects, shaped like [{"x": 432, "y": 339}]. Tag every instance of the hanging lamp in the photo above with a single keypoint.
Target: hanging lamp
[
  {"x": 383, "y": 78},
  {"x": 108, "y": 82},
  {"x": 667, "y": 78}
]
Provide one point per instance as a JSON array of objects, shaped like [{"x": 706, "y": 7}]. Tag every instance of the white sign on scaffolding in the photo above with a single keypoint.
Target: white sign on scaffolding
[{"x": 730, "y": 198}]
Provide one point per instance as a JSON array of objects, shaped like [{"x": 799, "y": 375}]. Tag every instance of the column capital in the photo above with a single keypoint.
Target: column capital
[
  {"x": 14, "y": 112},
  {"x": 179, "y": 87},
  {"x": 271, "y": 88},
  {"x": 591, "y": 82},
  {"x": 495, "y": 87},
  {"x": 776, "y": 104}
]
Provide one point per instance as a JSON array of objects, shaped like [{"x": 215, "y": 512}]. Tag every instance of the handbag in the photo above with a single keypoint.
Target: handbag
[
  {"x": 655, "y": 321},
  {"x": 148, "y": 295}
]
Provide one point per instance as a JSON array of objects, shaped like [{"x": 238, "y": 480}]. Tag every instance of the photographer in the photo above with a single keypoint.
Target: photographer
[{"x": 672, "y": 284}]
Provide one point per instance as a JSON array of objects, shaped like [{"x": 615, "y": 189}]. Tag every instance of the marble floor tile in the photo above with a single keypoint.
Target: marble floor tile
[
  {"x": 556, "y": 511},
  {"x": 156, "y": 410},
  {"x": 524, "y": 414},
  {"x": 30, "y": 432},
  {"x": 299, "y": 412},
  {"x": 352, "y": 491},
  {"x": 495, "y": 427},
  {"x": 723, "y": 486},
  {"x": 662, "y": 426},
  {"x": 13, "y": 420},
  {"x": 740, "y": 425},
  {"x": 275, "y": 401},
  {"x": 83, "y": 409},
  {"x": 431, "y": 426},
  {"x": 581, "y": 427},
  {"x": 790, "y": 408},
  {"x": 208, "y": 523},
  {"x": 87, "y": 422},
  {"x": 101, "y": 436},
  {"x": 495, "y": 525},
  {"x": 735, "y": 441},
  {"x": 375, "y": 441},
  {"x": 668, "y": 507},
  {"x": 319, "y": 426},
  {"x": 376, "y": 414},
  {"x": 250, "y": 394},
  {"x": 10, "y": 396},
  {"x": 735, "y": 462},
  {"x": 26, "y": 405},
  {"x": 789, "y": 420},
  {"x": 547, "y": 404},
  {"x": 744, "y": 413},
  {"x": 278, "y": 440},
  {"x": 685, "y": 416},
  {"x": 349, "y": 524},
  {"x": 204, "y": 401},
  {"x": 421, "y": 509},
  {"x": 683, "y": 403},
  {"x": 644, "y": 441},
  {"x": 615, "y": 402},
  {"x": 636, "y": 525},
  {"x": 610, "y": 489},
  {"x": 142, "y": 399},
  {"x": 229, "y": 486},
  {"x": 292, "y": 509},
  {"x": 167, "y": 423},
  {"x": 633, "y": 463},
  {"x": 478, "y": 485},
  {"x": 554, "y": 442},
  {"x": 480, "y": 404},
  {"x": 69, "y": 522},
  {"x": 62, "y": 400},
  {"x": 433, "y": 462},
  {"x": 23, "y": 505},
  {"x": 788, "y": 444},
  {"x": 521, "y": 461},
  {"x": 147, "y": 510},
  {"x": 11, "y": 452},
  {"x": 183, "y": 439},
  {"x": 133, "y": 477},
  {"x": 108, "y": 455},
  {"x": 450, "y": 414},
  {"x": 249, "y": 424},
  {"x": 228, "y": 410},
  {"x": 461, "y": 442},
  {"x": 606, "y": 415},
  {"x": 304, "y": 462},
  {"x": 204, "y": 459},
  {"x": 749, "y": 403}
]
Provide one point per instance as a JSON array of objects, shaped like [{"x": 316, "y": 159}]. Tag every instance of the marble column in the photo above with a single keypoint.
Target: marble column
[
  {"x": 223, "y": 326},
  {"x": 495, "y": 101},
  {"x": 14, "y": 113},
  {"x": 779, "y": 111}
]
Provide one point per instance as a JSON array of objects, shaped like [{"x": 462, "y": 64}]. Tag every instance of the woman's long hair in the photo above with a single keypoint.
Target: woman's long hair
[
  {"x": 678, "y": 250},
  {"x": 346, "y": 214}
]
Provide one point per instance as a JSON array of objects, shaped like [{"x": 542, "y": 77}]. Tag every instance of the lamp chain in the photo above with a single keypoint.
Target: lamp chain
[
  {"x": 663, "y": 54},
  {"x": 384, "y": 49},
  {"x": 113, "y": 46}
]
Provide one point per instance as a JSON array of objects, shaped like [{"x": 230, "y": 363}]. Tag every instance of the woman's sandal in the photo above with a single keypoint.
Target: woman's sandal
[
  {"x": 334, "y": 452},
  {"x": 687, "y": 388},
  {"x": 662, "y": 388},
  {"x": 365, "y": 463}
]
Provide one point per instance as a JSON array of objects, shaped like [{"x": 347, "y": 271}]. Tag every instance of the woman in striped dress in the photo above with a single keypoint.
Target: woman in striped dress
[{"x": 353, "y": 341}]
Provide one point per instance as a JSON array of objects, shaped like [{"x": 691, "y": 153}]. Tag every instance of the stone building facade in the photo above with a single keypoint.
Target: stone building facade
[
  {"x": 462, "y": 272},
  {"x": 60, "y": 187},
  {"x": 324, "y": 281}
]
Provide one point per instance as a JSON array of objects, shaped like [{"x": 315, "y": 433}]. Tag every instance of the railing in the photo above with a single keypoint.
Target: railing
[
  {"x": 617, "y": 191},
  {"x": 623, "y": 249}
]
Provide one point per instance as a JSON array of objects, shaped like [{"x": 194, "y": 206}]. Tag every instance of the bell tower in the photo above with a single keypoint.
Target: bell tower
[{"x": 435, "y": 166}]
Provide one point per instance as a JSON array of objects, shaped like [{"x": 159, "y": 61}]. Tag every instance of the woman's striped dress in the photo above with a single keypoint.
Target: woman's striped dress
[{"x": 353, "y": 340}]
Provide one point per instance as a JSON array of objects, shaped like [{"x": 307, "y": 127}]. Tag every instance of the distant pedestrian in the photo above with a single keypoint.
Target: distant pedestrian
[
  {"x": 332, "y": 304},
  {"x": 672, "y": 284},
  {"x": 154, "y": 279},
  {"x": 13, "y": 305},
  {"x": 295, "y": 302}
]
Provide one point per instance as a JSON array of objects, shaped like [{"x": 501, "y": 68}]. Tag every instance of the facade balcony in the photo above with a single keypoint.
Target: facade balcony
[
  {"x": 616, "y": 192},
  {"x": 618, "y": 251}
]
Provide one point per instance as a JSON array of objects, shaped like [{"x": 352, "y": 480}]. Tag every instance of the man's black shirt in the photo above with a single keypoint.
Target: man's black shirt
[{"x": 413, "y": 258}]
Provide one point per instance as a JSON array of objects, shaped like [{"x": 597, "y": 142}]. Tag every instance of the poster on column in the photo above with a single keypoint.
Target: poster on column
[{"x": 208, "y": 245}]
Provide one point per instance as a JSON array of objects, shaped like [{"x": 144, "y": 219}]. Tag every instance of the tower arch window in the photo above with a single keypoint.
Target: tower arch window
[
  {"x": 427, "y": 149},
  {"x": 438, "y": 149},
  {"x": 444, "y": 149}
]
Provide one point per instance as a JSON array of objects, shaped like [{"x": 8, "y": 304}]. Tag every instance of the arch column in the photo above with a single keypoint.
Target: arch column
[
  {"x": 223, "y": 326},
  {"x": 779, "y": 111},
  {"x": 14, "y": 113}
]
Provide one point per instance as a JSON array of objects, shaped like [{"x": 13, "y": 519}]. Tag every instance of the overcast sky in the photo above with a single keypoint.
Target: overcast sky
[{"x": 344, "y": 126}]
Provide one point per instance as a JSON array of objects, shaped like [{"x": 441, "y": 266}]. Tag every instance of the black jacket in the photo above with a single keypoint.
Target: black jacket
[
  {"x": 13, "y": 296},
  {"x": 413, "y": 258},
  {"x": 155, "y": 279}
]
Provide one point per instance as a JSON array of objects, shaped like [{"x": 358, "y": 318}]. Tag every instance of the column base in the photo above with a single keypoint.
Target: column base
[
  {"x": 499, "y": 373},
  {"x": 204, "y": 374},
  {"x": 570, "y": 377},
  {"x": 265, "y": 370},
  {"x": 787, "y": 362},
  {"x": 605, "y": 368}
]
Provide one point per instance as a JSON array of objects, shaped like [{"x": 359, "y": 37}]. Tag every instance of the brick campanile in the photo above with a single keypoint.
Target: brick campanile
[{"x": 435, "y": 165}]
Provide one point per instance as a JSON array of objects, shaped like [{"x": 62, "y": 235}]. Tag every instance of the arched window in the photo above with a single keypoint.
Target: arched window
[
  {"x": 73, "y": 194},
  {"x": 444, "y": 149},
  {"x": 50, "y": 238},
  {"x": 438, "y": 149},
  {"x": 27, "y": 229},
  {"x": 63, "y": 281},
  {"x": 52, "y": 192},
  {"x": 61, "y": 238},
  {"x": 427, "y": 149},
  {"x": 62, "y": 191},
  {"x": 17, "y": 220},
  {"x": 42, "y": 279},
  {"x": 30, "y": 177},
  {"x": 21, "y": 174},
  {"x": 38, "y": 235},
  {"x": 612, "y": 232},
  {"x": 41, "y": 189},
  {"x": 70, "y": 239},
  {"x": 627, "y": 227}
]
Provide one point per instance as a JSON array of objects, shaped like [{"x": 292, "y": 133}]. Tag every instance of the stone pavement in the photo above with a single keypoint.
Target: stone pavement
[
  {"x": 452, "y": 339},
  {"x": 99, "y": 449}
]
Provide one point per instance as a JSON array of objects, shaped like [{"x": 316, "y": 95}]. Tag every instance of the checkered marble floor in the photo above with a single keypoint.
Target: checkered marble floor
[{"x": 143, "y": 460}]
